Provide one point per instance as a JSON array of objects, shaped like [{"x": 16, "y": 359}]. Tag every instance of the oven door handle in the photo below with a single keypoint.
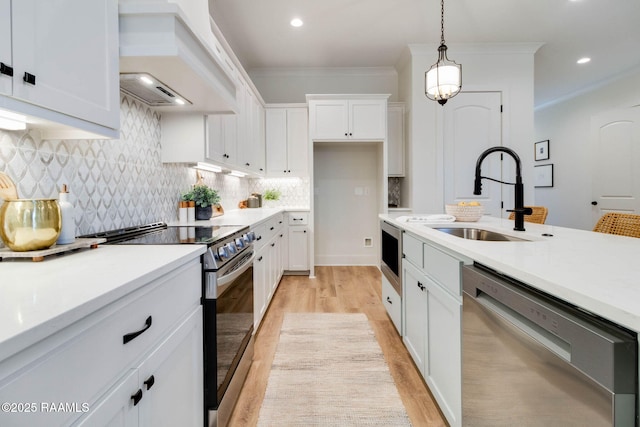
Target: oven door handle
[{"x": 237, "y": 272}]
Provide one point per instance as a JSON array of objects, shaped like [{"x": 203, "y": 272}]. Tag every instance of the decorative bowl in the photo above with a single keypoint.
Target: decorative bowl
[
  {"x": 29, "y": 224},
  {"x": 465, "y": 213}
]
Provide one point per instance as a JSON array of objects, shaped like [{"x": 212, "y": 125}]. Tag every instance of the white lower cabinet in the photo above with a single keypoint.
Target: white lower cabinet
[
  {"x": 166, "y": 388},
  {"x": 297, "y": 257},
  {"x": 432, "y": 322},
  {"x": 96, "y": 366},
  {"x": 414, "y": 301},
  {"x": 268, "y": 264},
  {"x": 392, "y": 303}
]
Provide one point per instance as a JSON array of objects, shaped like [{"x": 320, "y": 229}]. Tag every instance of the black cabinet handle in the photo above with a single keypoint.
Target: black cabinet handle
[
  {"x": 6, "y": 69},
  {"x": 136, "y": 397},
  {"x": 133, "y": 335},
  {"x": 271, "y": 228},
  {"x": 273, "y": 244},
  {"x": 29, "y": 78},
  {"x": 247, "y": 164},
  {"x": 346, "y": 134},
  {"x": 389, "y": 300},
  {"x": 304, "y": 231},
  {"x": 421, "y": 286},
  {"x": 281, "y": 235},
  {"x": 350, "y": 134},
  {"x": 150, "y": 382},
  {"x": 259, "y": 259},
  {"x": 259, "y": 238},
  {"x": 594, "y": 203}
]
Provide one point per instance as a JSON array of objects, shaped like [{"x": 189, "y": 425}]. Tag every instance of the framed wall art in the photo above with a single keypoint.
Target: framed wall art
[
  {"x": 542, "y": 150},
  {"x": 543, "y": 175}
]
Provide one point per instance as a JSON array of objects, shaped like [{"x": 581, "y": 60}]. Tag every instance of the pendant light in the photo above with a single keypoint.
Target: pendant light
[{"x": 444, "y": 79}]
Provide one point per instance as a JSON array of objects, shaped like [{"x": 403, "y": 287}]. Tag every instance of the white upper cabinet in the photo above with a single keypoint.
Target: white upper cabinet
[
  {"x": 395, "y": 139},
  {"x": 287, "y": 141},
  {"x": 250, "y": 141},
  {"x": 64, "y": 57},
  {"x": 362, "y": 118},
  {"x": 221, "y": 135},
  {"x": 5, "y": 48}
]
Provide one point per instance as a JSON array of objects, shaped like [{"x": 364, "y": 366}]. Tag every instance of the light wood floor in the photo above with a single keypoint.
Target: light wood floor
[{"x": 335, "y": 289}]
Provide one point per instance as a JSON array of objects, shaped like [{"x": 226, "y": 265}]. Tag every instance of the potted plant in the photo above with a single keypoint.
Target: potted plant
[
  {"x": 271, "y": 195},
  {"x": 205, "y": 198}
]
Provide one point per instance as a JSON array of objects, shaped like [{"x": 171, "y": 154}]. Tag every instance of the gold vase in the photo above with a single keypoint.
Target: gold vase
[{"x": 30, "y": 224}]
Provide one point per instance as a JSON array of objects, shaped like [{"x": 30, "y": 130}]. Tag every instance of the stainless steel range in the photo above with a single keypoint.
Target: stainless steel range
[{"x": 227, "y": 302}]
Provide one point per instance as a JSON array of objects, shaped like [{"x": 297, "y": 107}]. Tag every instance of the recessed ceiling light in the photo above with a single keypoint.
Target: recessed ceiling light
[
  {"x": 583, "y": 60},
  {"x": 296, "y": 22}
]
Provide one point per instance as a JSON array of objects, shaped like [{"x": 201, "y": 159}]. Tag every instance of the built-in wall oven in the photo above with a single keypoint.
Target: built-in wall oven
[
  {"x": 227, "y": 300},
  {"x": 391, "y": 259}
]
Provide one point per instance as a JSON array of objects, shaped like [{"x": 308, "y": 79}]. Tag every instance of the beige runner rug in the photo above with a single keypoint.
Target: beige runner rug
[{"x": 329, "y": 370}]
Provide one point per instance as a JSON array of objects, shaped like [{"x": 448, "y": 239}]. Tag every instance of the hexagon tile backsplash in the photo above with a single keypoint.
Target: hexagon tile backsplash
[{"x": 112, "y": 183}]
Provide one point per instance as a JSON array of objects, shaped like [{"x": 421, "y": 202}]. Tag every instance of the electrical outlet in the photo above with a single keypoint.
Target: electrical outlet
[{"x": 368, "y": 242}]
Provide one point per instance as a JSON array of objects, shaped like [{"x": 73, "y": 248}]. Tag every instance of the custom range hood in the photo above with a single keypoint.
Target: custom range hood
[{"x": 170, "y": 58}]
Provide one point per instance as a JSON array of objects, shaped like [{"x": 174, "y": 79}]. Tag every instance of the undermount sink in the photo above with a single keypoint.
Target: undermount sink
[{"x": 479, "y": 234}]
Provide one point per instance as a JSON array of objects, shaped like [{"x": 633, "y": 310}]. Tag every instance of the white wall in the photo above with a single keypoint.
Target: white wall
[
  {"x": 346, "y": 200},
  {"x": 507, "y": 68},
  {"x": 291, "y": 85},
  {"x": 566, "y": 125}
]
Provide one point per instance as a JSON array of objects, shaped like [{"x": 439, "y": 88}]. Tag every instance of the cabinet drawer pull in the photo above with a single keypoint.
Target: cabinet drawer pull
[
  {"x": 130, "y": 336},
  {"x": 389, "y": 300},
  {"x": 29, "y": 78},
  {"x": 259, "y": 238},
  {"x": 136, "y": 397},
  {"x": 6, "y": 70},
  {"x": 150, "y": 382},
  {"x": 421, "y": 286},
  {"x": 259, "y": 259},
  {"x": 273, "y": 244},
  {"x": 247, "y": 164}
]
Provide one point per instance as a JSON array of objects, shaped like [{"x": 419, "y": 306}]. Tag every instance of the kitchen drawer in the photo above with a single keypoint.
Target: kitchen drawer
[
  {"x": 298, "y": 218},
  {"x": 392, "y": 303},
  {"x": 444, "y": 268},
  {"x": 412, "y": 249},
  {"x": 259, "y": 231},
  {"x": 273, "y": 225},
  {"x": 79, "y": 367}
]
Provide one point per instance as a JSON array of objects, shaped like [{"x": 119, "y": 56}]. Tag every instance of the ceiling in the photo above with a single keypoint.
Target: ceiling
[{"x": 374, "y": 33}]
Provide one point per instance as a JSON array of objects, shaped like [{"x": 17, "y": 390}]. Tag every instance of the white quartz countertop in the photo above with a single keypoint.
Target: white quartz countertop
[
  {"x": 38, "y": 299},
  {"x": 595, "y": 271},
  {"x": 242, "y": 217}
]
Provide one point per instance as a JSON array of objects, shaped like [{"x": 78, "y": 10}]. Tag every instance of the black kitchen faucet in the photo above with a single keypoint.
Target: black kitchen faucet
[{"x": 519, "y": 209}]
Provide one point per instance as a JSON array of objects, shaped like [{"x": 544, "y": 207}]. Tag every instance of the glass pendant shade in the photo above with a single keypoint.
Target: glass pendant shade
[{"x": 444, "y": 79}]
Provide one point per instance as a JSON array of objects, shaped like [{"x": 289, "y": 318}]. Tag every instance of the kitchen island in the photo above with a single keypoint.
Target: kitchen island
[{"x": 597, "y": 273}]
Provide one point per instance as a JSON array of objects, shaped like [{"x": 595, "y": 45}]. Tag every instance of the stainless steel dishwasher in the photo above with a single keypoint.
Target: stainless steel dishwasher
[{"x": 532, "y": 360}]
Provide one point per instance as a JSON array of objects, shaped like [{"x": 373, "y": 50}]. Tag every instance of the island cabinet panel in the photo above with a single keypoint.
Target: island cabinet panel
[
  {"x": 432, "y": 320},
  {"x": 392, "y": 303},
  {"x": 155, "y": 331}
]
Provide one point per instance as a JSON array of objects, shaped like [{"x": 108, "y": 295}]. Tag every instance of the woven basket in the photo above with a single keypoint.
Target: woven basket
[{"x": 465, "y": 213}]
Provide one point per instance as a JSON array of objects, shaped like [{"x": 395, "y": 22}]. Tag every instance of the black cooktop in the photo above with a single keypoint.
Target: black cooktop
[{"x": 161, "y": 234}]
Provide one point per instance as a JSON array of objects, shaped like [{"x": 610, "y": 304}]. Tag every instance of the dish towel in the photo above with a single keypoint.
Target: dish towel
[{"x": 427, "y": 218}]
